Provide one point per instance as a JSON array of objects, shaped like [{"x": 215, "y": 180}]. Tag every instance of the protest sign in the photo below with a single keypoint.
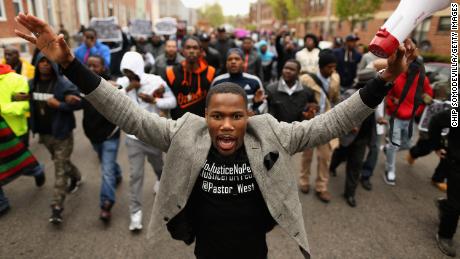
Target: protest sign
[
  {"x": 432, "y": 109},
  {"x": 107, "y": 29},
  {"x": 166, "y": 26},
  {"x": 140, "y": 28}
]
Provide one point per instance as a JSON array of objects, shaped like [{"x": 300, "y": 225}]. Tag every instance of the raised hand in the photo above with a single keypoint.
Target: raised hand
[
  {"x": 259, "y": 96},
  {"x": 399, "y": 62},
  {"x": 49, "y": 43}
]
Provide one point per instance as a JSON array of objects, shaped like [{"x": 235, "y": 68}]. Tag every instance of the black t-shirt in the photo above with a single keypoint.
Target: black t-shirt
[
  {"x": 228, "y": 212},
  {"x": 43, "y": 113}
]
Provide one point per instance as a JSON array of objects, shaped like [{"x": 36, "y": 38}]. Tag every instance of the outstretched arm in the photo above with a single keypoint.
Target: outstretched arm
[
  {"x": 348, "y": 114},
  {"x": 111, "y": 103}
]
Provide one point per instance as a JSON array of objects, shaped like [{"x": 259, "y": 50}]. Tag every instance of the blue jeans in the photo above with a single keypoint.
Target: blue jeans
[
  {"x": 4, "y": 203},
  {"x": 107, "y": 152},
  {"x": 401, "y": 137}
]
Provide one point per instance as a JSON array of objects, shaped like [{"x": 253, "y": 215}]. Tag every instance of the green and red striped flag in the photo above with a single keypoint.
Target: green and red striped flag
[{"x": 15, "y": 158}]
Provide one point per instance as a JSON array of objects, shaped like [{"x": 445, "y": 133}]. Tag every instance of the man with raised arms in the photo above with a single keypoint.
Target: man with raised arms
[{"x": 226, "y": 136}]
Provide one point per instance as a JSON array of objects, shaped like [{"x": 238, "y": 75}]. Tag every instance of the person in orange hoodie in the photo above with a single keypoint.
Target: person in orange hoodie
[
  {"x": 402, "y": 110},
  {"x": 190, "y": 80}
]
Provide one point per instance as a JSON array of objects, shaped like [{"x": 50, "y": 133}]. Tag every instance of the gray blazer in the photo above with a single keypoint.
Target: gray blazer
[{"x": 187, "y": 143}]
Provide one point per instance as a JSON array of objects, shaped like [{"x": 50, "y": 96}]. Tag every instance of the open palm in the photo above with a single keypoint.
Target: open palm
[{"x": 49, "y": 43}]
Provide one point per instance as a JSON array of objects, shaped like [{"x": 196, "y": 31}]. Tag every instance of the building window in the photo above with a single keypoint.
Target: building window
[
  {"x": 421, "y": 31},
  {"x": 322, "y": 28},
  {"x": 18, "y": 8},
  {"x": 111, "y": 9},
  {"x": 332, "y": 28},
  {"x": 444, "y": 23},
  {"x": 321, "y": 4},
  {"x": 307, "y": 26},
  {"x": 2, "y": 11},
  {"x": 364, "y": 25},
  {"x": 49, "y": 10}
]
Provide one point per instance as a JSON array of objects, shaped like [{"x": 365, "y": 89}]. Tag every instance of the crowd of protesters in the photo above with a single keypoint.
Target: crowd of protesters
[{"x": 291, "y": 79}]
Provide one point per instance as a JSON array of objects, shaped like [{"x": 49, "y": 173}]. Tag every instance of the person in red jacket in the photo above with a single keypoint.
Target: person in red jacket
[{"x": 403, "y": 116}]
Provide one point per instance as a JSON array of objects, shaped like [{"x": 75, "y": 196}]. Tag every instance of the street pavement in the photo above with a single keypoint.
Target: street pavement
[{"x": 388, "y": 222}]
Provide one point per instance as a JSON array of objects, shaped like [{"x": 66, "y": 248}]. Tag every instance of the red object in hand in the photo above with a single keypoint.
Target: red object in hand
[{"x": 384, "y": 44}]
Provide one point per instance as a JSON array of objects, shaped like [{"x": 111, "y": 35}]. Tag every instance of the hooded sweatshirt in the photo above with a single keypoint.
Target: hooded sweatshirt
[
  {"x": 266, "y": 57},
  {"x": 405, "y": 110},
  {"x": 13, "y": 112},
  {"x": 189, "y": 87},
  {"x": 25, "y": 68},
  {"x": 134, "y": 62},
  {"x": 61, "y": 120}
]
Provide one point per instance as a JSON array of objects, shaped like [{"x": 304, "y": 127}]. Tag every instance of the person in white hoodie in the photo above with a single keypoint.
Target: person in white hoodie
[{"x": 153, "y": 94}]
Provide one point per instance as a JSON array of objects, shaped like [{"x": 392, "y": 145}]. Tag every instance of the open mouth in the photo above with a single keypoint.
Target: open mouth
[{"x": 226, "y": 142}]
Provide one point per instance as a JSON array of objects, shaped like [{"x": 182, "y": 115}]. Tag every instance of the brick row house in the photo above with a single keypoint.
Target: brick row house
[
  {"x": 433, "y": 32},
  {"x": 71, "y": 13}
]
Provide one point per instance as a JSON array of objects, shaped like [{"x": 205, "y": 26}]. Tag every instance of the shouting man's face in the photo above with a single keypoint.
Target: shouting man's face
[{"x": 227, "y": 119}]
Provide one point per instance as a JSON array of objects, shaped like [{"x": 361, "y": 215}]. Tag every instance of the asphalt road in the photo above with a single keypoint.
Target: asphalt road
[{"x": 389, "y": 222}]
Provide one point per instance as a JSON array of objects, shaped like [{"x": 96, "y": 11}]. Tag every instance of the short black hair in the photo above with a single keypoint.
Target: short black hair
[
  {"x": 191, "y": 37},
  {"x": 292, "y": 60},
  {"x": 311, "y": 36},
  {"x": 326, "y": 57},
  {"x": 247, "y": 38},
  {"x": 90, "y": 29},
  {"x": 226, "y": 88},
  {"x": 98, "y": 57}
]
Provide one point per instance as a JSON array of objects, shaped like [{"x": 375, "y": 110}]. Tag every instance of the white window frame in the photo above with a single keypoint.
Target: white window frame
[
  {"x": 2, "y": 8},
  {"x": 21, "y": 6}
]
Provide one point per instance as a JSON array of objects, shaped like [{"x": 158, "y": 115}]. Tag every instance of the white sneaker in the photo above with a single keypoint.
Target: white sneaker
[
  {"x": 389, "y": 178},
  {"x": 136, "y": 221},
  {"x": 156, "y": 187}
]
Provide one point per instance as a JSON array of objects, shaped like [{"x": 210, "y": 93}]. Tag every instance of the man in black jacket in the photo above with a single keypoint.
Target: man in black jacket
[
  {"x": 53, "y": 100},
  {"x": 223, "y": 44},
  {"x": 105, "y": 139},
  {"x": 449, "y": 209},
  {"x": 210, "y": 54},
  {"x": 286, "y": 49},
  {"x": 287, "y": 99},
  {"x": 252, "y": 64},
  {"x": 353, "y": 145}
]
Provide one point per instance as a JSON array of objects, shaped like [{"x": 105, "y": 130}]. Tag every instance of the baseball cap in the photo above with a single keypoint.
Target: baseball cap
[
  {"x": 351, "y": 37},
  {"x": 204, "y": 37}
]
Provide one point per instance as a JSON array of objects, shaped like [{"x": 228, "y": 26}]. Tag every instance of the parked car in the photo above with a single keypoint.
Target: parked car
[{"x": 437, "y": 72}]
